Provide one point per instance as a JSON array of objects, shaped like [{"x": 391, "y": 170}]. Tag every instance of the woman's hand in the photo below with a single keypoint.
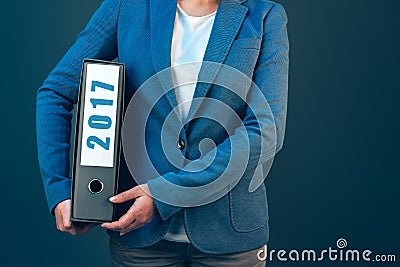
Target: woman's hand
[
  {"x": 62, "y": 213},
  {"x": 140, "y": 213}
]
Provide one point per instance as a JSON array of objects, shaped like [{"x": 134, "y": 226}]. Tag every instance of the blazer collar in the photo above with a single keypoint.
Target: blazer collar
[
  {"x": 228, "y": 20},
  {"x": 162, "y": 18},
  {"x": 237, "y": 1}
]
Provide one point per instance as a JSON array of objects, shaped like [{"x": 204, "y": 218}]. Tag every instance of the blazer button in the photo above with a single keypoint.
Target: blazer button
[{"x": 180, "y": 144}]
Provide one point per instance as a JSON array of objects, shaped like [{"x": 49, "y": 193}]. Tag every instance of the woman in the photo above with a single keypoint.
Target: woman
[{"x": 149, "y": 36}]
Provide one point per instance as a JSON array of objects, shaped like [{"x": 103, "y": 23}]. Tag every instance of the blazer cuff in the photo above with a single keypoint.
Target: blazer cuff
[
  {"x": 59, "y": 192},
  {"x": 156, "y": 189}
]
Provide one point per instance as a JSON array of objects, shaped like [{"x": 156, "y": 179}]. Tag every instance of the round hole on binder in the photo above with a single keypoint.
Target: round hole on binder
[{"x": 95, "y": 186}]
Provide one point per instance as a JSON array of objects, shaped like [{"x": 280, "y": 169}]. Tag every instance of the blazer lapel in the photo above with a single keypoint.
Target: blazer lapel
[
  {"x": 162, "y": 18},
  {"x": 228, "y": 20}
]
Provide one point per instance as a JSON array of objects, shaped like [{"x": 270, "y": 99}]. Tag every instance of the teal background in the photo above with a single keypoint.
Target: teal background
[{"x": 336, "y": 177}]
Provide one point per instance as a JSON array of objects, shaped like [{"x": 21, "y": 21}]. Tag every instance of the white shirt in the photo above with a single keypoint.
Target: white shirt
[{"x": 189, "y": 42}]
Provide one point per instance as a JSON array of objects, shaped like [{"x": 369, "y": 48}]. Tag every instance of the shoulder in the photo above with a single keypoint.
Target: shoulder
[{"x": 266, "y": 8}]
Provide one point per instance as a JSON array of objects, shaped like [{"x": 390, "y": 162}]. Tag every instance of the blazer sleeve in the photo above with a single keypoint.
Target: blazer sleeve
[
  {"x": 58, "y": 95},
  {"x": 271, "y": 77}
]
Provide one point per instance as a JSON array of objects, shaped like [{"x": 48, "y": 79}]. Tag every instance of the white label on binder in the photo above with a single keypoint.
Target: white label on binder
[{"x": 99, "y": 115}]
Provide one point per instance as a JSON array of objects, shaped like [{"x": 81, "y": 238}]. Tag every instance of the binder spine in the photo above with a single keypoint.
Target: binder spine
[{"x": 97, "y": 143}]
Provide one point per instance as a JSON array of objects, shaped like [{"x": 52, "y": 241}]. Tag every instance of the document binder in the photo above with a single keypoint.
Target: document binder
[{"x": 97, "y": 141}]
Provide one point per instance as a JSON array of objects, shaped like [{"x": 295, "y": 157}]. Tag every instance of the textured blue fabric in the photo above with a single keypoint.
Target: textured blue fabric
[{"x": 249, "y": 35}]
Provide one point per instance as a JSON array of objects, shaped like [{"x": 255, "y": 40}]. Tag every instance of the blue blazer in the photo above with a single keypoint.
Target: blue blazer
[{"x": 248, "y": 35}]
